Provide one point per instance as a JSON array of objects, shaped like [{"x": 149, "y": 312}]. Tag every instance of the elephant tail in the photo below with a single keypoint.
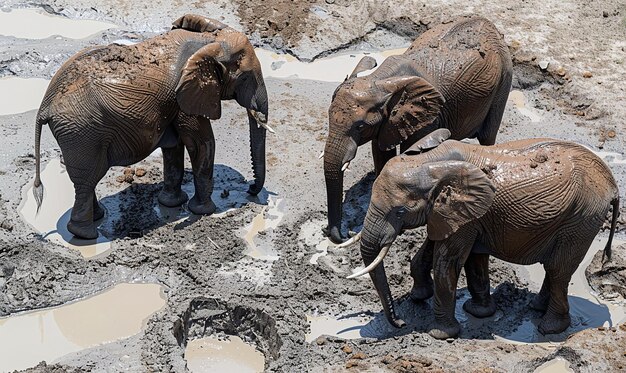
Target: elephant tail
[
  {"x": 607, "y": 249},
  {"x": 38, "y": 185}
]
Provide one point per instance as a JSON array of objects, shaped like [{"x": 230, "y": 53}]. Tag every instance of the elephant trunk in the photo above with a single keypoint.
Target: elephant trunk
[
  {"x": 373, "y": 239},
  {"x": 338, "y": 151},
  {"x": 257, "y": 117}
]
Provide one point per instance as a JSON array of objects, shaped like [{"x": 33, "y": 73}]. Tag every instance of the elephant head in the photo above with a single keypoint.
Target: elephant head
[
  {"x": 226, "y": 68},
  {"x": 387, "y": 107},
  {"x": 443, "y": 195}
]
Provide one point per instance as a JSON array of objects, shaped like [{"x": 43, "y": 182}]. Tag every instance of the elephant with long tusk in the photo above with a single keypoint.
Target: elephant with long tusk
[
  {"x": 113, "y": 105},
  {"x": 524, "y": 202},
  {"x": 455, "y": 76}
]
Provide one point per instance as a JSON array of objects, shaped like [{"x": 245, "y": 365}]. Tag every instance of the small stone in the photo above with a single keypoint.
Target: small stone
[
  {"x": 129, "y": 171},
  {"x": 622, "y": 327},
  {"x": 560, "y": 71},
  {"x": 601, "y": 328},
  {"x": 320, "y": 341},
  {"x": 347, "y": 349},
  {"x": 352, "y": 364},
  {"x": 587, "y": 74},
  {"x": 330, "y": 1},
  {"x": 533, "y": 165},
  {"x": 605, "y": 14},
  {"x": 450, "y": 340},
  {"x": 140, "y": 172},
  {"x": 611, "y": 134},
  {"x": 543, "y": 64},
  {"x": 358, "y": 355}
]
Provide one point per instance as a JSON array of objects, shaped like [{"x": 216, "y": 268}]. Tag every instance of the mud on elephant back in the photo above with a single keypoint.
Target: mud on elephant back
[
  {"x": 527, "y": 201},
  {"x": 113, "y": 105},
  {"x": 455, "y": 76}
]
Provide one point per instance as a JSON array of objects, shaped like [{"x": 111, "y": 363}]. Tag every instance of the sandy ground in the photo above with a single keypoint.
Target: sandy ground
[{"x": 569, "y": 66}]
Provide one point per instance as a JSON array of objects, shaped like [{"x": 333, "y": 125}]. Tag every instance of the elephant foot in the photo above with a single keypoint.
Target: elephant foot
[
  {"x": 98, "y": 211},
  {"x": 445, "y": 330},
  {"x": 479, "y": 309},
  {"x": 421, "y": 293},
  {"x": 84, "y": 230},
  {"x": 554, "y": 324},
  {"x": 199, "y": 208},
  {"x": 334, "y": 234},
  {"x": 172, "y": 199},
  {"x": 540, "y": 303}
]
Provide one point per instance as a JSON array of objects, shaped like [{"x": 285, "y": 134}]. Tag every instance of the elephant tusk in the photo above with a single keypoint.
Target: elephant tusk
[
  {"x": 321, "y": 155},
  {"x": 345, "y": 166},
  {"x": 264, "y": 125},
  {"x": 372, "y": 265},
  {"x": 352, "y": 240}
]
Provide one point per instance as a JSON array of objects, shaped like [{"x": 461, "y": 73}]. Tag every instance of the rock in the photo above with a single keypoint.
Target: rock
[
  {"x": 320, "y": 341},
  {"x": 330, "y": 1},
  {"x": 605, "y": 14},
  {"x": 358, "y": 356},
  {"x": 560, "y": 71},
  {"x": 611, "y": 134},
  {"x": 587, "y": 74},
  {"x": 347, "y": 349},
  {"x": 140, "y": 172},
  {"x": 543, "y": 65}
]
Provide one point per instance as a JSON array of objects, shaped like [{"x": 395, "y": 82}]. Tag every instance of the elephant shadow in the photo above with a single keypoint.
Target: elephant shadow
[
  {"x": 514, "y": 320},
  {"x": 135, "y": 210},
  {"x": 356, "y": 202}
]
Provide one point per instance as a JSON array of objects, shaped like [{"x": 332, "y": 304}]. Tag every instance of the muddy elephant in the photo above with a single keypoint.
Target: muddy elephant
[
  {"x": 455, "y": 76},
  {"x": 524, "y": 202},
  {"x": 113, "y": 105}
]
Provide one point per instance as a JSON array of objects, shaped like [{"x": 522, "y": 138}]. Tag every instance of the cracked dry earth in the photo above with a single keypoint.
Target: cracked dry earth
[{"x": 260, "y": 269}]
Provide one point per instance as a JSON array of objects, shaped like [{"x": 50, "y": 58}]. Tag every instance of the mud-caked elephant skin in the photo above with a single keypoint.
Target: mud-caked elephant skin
[
  {"x": 524, "y": 202},
  {"x": 455, "y": 76},
  {"x": 113, "y": 105}
]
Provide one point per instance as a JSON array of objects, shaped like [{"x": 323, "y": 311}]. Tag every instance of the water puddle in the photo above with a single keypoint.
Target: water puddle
[
  {"x": 327, "y": 69},
  {"x": 20, "y": 24},
  {"x": 586, "y": 310},
  {"x": 230, "y": 354},
  {"x": 117, "y": 313},
  {"x": 342, "y": 327},
  {"x": 558, "y": 365},
  {"x": 311, "y": 235},
  {"x": 269, "y": 218},
  {"x": 519, "y": 101},
  {"x": 18, "y": 95},
  {"x": 55, "y": 211}
]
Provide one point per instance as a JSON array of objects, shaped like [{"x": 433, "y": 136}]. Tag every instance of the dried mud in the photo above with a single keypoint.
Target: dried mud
[{"x": 570, "y": 75}]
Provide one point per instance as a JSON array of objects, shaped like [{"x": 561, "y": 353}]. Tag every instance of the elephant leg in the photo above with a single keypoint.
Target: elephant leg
[
  {"x": 448, "y": 259},
  {"x": 489, "y": 129},
  {"x": 202, "y": 153},
  {"x": 421, "y": 265},
  {"x": 173, "y": 172},
  {"x": 381, "y": 157},
  {"x": 477, "y": 272},
  {"x": 540, "y": 301},
  {"x": 85, "y": 177}
]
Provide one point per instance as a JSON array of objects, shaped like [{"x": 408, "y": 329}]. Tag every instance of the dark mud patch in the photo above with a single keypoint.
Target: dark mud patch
[{"x": 609, "y": 279}]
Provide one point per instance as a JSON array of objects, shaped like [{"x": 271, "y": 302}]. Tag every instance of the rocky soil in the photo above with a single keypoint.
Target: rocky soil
[{"x": 569, "y": 63}]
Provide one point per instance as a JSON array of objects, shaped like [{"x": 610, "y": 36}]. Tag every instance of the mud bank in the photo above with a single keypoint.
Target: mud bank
[{"x": 289, "y": 303}]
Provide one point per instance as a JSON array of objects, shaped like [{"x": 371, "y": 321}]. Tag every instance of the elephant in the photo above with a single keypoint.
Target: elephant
[
  {"x": 456, "y": 76},
  {"x": 114, "y": 105},
  {"x": 525, "y": 201}
]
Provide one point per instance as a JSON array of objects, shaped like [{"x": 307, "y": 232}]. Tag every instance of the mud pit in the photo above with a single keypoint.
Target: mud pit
[{"x": 297, "y": 309}]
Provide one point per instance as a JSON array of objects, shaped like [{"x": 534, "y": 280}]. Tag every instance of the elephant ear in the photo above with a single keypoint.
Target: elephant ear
[
  {"x": 414, "y": 104},
  {"x": 461, "y": 193},
  {"x": 428, "y": 142},
  {"x": 366, "y": 63},
  {"x": 200, "y": 85}
]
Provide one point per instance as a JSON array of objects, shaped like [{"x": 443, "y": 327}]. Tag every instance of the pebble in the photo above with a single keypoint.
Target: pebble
[
  {"x": 330, "y": 1},
  {"x": 450, "y": 340},
  {"x": 347, "y": 349},
  {"x": 543, "y": 64},
  {"x": 587, "y": 74},
  {"x": 140, "y": 172},
  {"x": 560, "y": 71}
]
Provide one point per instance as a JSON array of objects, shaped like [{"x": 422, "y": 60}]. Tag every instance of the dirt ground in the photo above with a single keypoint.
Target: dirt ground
[{"x": 569, "y": 64}]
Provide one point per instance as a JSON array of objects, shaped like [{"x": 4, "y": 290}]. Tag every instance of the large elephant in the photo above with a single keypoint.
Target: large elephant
[
  {"x": 524, "y": 202},
  {"x": 455, "y": 76},
  {"x": 113, "y": 105}
]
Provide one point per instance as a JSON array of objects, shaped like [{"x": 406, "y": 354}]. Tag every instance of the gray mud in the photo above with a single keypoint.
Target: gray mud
[{"x": 569, "y": 75}]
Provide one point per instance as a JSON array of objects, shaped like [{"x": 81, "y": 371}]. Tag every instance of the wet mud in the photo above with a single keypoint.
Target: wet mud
[{"x": 259, "y": 275}]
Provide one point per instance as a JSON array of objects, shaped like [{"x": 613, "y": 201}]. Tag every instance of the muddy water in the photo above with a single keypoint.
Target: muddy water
[
  {"x": 18, "y": 95},
  {"x": 210, "y": 354},
  {"x": 311, "y": 235},
  {"x": 51, "y": 221},
  {"x": 343, "y": 327},
  {"x": 20, "y": 24},
  {"x": 586, "y": 310},
  {"x": 269, "y": 218},
  {"x": 120, "y": 312},
  {"x": 518, "y": 100},
  {"x": 558, "y": 365},
  {"x": 328, "y": 69}
]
